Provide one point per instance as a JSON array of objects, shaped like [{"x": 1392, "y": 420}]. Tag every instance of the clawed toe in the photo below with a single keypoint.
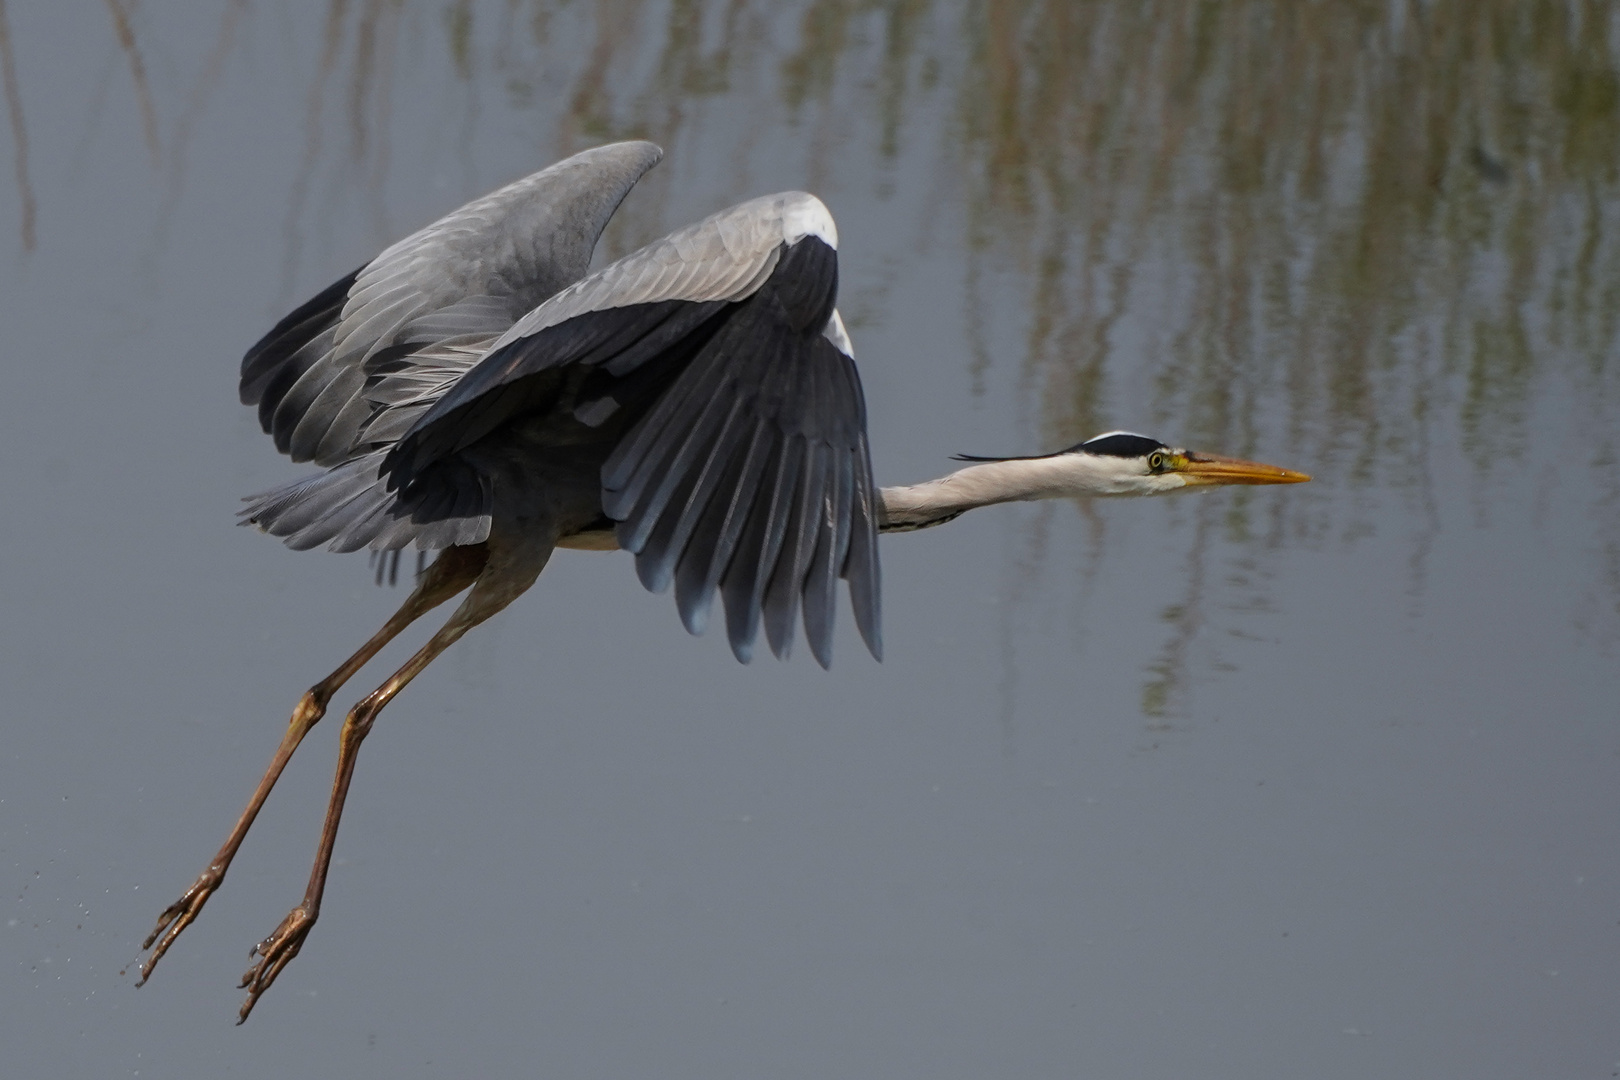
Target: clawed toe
[
  {"x": 274, "y": 952},
  {"x": 176, "y": 917}
]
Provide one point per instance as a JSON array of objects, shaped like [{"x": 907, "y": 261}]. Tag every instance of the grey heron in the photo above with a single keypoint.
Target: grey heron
[{"x": 475, "y": 391}]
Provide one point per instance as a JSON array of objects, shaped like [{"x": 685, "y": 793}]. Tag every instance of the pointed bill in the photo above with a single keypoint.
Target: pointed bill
[{"x": 1215, "y": 469}]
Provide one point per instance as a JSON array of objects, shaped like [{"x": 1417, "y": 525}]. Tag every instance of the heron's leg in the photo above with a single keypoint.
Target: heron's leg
[
  {"x": 505, "y": 577},
  {"x": 451, "y": 572}
]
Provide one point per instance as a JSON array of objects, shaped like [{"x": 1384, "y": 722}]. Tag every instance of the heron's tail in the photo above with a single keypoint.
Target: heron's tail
[{"x": 349, "y": 507}]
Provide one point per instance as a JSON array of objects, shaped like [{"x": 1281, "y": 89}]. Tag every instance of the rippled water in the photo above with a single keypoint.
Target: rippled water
[{"x": 1322, "y": 781}]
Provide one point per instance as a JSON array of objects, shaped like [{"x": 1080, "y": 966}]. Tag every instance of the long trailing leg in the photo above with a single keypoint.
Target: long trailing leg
[
  {"x": 505, "y": 577},
  {"x": 454, "y": 570}
]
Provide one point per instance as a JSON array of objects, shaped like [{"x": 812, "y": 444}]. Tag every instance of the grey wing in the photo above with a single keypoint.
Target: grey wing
[
  {"x": 726, "y": 256},
  {"x": 326, "y": 377},
  {"x": 620, "y": 318},
  {"x": 746, "y": 468}
]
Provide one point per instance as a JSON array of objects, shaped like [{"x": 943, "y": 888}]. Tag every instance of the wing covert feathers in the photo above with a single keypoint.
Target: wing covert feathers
[{"x": 726, "y": 256}]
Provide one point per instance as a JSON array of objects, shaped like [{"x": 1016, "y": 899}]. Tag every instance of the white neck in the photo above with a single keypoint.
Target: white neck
[{"x": 935, "y": 502}]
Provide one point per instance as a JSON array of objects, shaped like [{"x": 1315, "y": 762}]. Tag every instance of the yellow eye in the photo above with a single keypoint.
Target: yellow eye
[{"x": 1156, "y": 461}]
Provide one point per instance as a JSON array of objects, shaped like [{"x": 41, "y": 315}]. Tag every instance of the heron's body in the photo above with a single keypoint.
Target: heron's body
[{"x": 473, "y": 390}]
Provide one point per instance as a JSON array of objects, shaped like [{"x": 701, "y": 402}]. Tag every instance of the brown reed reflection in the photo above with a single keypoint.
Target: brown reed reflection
[
  {"x": 196, "y": 104},
  {"x": 137, "y": 72},
  {"x": 332, "y": 37},
  {"x": 1350, "y": 233},
  {"x": 1388, "y": 240},
  {"x": 19, "y": 131}
]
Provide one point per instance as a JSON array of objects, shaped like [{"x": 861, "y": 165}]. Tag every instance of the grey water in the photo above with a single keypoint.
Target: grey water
[{"x": 1321, "y": 781}]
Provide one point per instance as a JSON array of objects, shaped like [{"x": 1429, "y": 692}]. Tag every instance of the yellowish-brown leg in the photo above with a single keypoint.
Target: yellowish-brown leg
[
  {"x": 454, "y": 570},
  {"x": 506, "y": 576}
]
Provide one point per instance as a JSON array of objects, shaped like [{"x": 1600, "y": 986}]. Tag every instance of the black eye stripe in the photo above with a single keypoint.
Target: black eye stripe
[{"x": 1122, "y": 444}]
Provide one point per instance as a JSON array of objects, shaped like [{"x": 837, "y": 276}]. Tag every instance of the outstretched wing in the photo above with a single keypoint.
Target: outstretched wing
[
  {"x": 744, "y": 465},
  {"x": 352, "y": 368}
]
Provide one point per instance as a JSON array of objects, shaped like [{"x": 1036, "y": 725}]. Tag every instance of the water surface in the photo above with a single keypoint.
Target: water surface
[{"x": 1319, "y": 782}]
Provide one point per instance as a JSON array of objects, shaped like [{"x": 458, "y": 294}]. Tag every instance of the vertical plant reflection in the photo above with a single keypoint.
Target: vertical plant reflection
[
  {"x": 19, "y": 130},
  {"x": 137, "y": 73},
  {"x": 332, "y": 34},
  {"x": 1360, "y": 234}
]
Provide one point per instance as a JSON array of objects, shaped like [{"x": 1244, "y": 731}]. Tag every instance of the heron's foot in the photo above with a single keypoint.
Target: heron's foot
[
  {"x": 177, "y": 916},
  {"x": 275, "y": 952}
]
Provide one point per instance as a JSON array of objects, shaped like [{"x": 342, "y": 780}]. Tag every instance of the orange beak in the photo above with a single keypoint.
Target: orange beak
[{"x": 1215, "y": 469}]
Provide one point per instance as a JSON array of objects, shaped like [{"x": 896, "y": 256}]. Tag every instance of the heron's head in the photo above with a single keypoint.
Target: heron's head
[{"x": 1125, "y": 463}]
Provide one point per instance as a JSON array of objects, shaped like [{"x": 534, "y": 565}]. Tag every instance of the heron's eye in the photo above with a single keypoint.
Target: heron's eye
[{"x": 1156, "y": 461}]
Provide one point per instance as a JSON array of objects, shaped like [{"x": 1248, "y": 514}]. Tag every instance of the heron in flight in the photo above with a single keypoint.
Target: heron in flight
[{"x": 474, "y": 391}]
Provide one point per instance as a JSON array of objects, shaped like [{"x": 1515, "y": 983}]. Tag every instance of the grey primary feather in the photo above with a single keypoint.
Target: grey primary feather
[
  {"x": 861, "y": 566},
  {"x": 313, "y": 409},
  {"x": 743, "y": 586},
  {"x": 276, "y": 361},
  {"x": 719, "y": 530},
  {"x": 697, "y": 421},
  {"x": 785, "y": 581},
  {"x": 659, "y": 527},
  {"x": 513, "y": 248},
  {"x": 758, "y": 378}
]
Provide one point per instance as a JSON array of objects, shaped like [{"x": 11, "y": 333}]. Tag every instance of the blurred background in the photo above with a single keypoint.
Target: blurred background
[{"x": 1321, "y": 781}]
